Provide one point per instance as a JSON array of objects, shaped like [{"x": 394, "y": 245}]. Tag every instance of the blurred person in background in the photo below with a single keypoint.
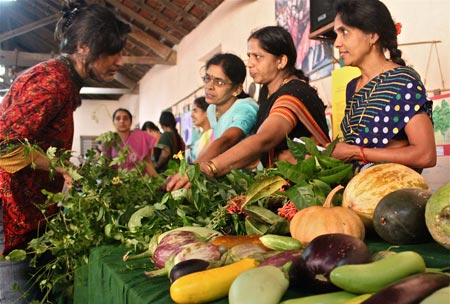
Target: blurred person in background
[
  {"x": 170, "y": 142},
  {"x": 138, "y": 144},
  {"x": 200, "y": 120}
]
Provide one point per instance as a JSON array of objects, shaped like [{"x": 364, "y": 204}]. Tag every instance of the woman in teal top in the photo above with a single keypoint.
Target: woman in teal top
[{"x": 231, "y": 112}]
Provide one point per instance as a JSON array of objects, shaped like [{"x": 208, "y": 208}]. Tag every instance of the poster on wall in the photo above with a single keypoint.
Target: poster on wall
[
  {"x": 440, "y": 174},
  {"x": 186, "y": 127},
  {"x": 314, "y": 57}
]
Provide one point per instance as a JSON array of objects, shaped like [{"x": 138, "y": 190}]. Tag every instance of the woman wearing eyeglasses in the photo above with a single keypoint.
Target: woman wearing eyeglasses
[
  {"x": 285, "y": 94},
  {"x": 231, "y": 112}
]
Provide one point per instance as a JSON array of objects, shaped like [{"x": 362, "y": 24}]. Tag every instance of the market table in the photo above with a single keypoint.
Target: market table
[{"x": 109, "y": 280}]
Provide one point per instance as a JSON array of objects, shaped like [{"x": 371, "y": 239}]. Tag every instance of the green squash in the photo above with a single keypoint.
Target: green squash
[
  {"x": 437, "y": 215},
  {"x": 399, "y": 217}
]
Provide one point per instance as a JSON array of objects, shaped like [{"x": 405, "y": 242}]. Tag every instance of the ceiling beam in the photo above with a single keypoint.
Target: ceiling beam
[
  {"x": 26, "y": 59},
  {"x": 173, "y": 24},
  {"x": 136, "y": 16},
  {"x": 151, "y": 60},
  {"x": 40, "y": 40},
  {"x": 104, "y": 91},
  {"x": 160, "y": 49},
  {"x": 29, "y": 27},
  {"x": 181, "y": 12}
]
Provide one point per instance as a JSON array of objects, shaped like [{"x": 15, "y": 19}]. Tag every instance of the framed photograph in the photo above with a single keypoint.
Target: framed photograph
[{"x": 314, "y": 57}]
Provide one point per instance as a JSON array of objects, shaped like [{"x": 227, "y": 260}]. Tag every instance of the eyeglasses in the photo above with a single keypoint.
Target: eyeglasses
[{"x": 216, "y": 81}]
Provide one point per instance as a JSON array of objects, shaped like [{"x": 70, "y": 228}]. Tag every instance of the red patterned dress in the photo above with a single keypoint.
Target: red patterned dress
[{"x": 39, "y": 107}]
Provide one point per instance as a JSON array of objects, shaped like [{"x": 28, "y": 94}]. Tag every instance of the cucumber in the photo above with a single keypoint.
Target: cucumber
[
  {"x": 337, "y": 297},
  {"x": 372, "y": 277}
]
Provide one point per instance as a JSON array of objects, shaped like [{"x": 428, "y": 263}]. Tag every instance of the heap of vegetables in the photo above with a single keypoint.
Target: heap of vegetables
[
  {"x": 335, "y": 268},
  {"x": 110, "y": 206}
]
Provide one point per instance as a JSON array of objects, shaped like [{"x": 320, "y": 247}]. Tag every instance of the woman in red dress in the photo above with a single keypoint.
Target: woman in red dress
[{"x": 39, "y": 108}]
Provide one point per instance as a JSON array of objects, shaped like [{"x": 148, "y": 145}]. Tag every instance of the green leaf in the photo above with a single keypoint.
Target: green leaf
[
  {"x": 16, "y": 255},
  {"x": 302, "y": 196},
  {"x": 297, "y": 150},
  {"x": 136, "y": 217},
  {"x": 291, "y": 172},
  {"x": 261, "y": 214},
  {"x": 263, "y": 188},
  {"x": 252, "y": 226},
  {"x": 310, "y": 146},
  {"x": 329, "y": 149}
]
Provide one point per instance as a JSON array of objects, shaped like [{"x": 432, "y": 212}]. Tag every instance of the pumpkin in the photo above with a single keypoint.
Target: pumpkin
[
  {"x": 437, "y": 215},
  {"x": 365, "y": 190},
  {"x": 310, "y": 222}
]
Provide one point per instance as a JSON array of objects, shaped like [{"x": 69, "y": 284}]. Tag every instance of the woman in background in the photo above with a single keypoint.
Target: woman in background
[
  {"x": 170, "y": 142},
  {"x": 138, "y": 144},
  {"x": 388, "y": 114},
  {"x": 200, "y": 120},
  {"x": 151, "y": 128}
]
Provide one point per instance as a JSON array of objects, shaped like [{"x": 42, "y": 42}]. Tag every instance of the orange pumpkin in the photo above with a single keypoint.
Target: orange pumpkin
[{"x": 313, "y": 221}]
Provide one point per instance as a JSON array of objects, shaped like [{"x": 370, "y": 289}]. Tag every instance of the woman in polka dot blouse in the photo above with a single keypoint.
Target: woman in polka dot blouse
[{"x": 387, "y": 114}]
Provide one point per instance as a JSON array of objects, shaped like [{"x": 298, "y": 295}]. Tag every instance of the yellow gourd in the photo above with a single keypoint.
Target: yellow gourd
[
  {"x": 313, "y": 221},
  {"x": 365, "y": 190},
  {"x": 208, "y": 285}
]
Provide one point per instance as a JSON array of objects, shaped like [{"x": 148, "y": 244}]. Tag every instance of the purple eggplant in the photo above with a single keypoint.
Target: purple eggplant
[
  {"x": 281, "y": 259},
  {"x": 411, "y": 290},
  {"x": 170, "y": 245},
  {"x": 195, "y": 250},
  {"x": 198, "y": 250},
  {"x": 186, "y": 267},
  {"x": 326, "y": 252},
  {"x": 243, "y": 251}
]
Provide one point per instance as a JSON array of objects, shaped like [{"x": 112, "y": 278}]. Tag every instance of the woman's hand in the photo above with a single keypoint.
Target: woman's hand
[
  {"x": 67, "y": 179},
  {"x": 176, "y": 182},
  {"x": 345, "y": 152}
]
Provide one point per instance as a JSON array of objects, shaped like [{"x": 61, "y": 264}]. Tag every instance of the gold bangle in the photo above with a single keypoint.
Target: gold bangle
[
  {"x": 212, "y": 166},
  {"x": 207, "y": 166}
]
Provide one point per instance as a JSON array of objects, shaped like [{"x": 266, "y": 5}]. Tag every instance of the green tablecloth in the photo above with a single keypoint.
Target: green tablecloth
[{"x": 109, "y": 280}]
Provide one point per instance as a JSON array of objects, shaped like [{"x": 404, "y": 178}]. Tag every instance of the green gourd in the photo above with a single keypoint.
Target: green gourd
[
  {"x": 399, "y": 217},
  {"x": 437, "y": 215}
]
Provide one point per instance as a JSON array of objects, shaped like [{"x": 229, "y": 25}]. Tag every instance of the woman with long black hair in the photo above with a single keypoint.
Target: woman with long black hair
[{"x": 38, "y": 108}]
